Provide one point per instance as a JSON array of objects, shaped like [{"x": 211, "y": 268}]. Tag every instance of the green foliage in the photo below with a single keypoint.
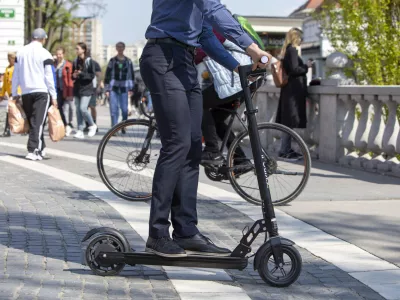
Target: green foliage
[
  {"x": 56, "y": 17},
  {"x": 368, "y": 31}
]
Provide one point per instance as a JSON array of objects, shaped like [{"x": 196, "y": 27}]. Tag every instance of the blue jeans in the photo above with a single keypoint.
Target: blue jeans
[
  {"x": 149, "y": 101},
  {"x": 118, "y": 101},
  {"x": 82, "y": 112}
]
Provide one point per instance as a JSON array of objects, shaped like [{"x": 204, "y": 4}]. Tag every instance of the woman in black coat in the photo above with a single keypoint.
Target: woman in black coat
[{"x": 292, "y": 101}]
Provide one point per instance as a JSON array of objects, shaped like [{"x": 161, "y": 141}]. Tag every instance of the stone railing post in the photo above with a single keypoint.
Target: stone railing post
[{"x": 329, "y": 141}]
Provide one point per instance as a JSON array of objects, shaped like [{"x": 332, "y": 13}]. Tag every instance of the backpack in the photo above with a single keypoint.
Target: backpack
[
  {"x": 279, "y": 75},
  {"x": 250, "y": 30}
]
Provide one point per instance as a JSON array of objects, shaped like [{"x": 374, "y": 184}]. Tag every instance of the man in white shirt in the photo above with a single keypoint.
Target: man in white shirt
[{"x": 33, "y": 73}]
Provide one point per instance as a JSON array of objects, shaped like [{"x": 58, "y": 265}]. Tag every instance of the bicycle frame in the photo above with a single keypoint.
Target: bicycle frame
[{"x": 235, "y": 115}]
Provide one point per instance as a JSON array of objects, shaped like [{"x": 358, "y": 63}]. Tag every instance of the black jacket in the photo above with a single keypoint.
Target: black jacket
[
  {"x": 83, "y": 85},
  {"x": 292, "y": 101}
]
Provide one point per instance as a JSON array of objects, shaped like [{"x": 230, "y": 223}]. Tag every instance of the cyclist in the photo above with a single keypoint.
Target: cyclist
[{"x": 228, "y": 96}]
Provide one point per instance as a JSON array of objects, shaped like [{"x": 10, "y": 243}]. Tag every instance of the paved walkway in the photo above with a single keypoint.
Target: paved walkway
[{"x": 46, "y": 211}]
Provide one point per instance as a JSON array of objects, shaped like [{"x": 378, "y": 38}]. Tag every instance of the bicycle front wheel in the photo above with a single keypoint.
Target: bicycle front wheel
[
  {"x": 288, "y": 173},
  {"x": 127, "y": 157}
]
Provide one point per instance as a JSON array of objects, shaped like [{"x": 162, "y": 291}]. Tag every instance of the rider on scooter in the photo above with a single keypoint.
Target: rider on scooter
[{"x": 177, "y": 28}]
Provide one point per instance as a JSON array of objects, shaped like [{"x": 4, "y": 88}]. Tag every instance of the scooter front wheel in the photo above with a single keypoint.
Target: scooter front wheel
[
  {"x": 284, "y": 275},
  {"x": 104, "y": 243}
]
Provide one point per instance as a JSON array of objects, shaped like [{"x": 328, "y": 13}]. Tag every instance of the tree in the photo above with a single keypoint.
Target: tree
[
  {"x": 368, "y": 31},
  {"x": 56, "y": 17}
]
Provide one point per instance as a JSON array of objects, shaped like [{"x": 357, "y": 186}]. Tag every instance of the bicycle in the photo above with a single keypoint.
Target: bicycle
[{"x": 139, "y": 144}]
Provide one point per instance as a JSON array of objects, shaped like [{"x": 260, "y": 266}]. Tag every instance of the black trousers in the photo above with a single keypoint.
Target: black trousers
[
  {"x": 60, "y": 104},
  {"x": 36, "y": 106},
  {"x": 170, "y": 74},
  {"x": 214, "y": 125}
]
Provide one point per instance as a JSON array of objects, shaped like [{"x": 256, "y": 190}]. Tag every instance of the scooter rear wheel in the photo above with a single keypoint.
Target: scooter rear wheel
[
  {"x": 280, "y": 276},
  {"x": 104, "y": 243}
]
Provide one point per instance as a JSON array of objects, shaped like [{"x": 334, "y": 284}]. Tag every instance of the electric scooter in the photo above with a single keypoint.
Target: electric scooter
[{"x": 277, "y": 261}]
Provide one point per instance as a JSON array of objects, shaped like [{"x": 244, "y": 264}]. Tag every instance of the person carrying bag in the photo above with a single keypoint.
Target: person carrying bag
[{"x": 56, "y": 124}]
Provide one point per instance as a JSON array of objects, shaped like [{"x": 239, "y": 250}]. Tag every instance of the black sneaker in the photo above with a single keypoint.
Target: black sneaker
[
  {"x": 165, "y": 247},
  {"x": 291, "y": 156},
  {"x": 242, "y": 166},
  {"x": 211, "y": 158},
  {"x": 201, "y": 245},
  {"x": 123, "y": 130}
]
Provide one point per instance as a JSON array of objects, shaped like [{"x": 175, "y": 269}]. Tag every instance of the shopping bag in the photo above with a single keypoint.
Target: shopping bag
[
  {"x": 17, "y": 118},
  {"x": 56, "y": 125}
]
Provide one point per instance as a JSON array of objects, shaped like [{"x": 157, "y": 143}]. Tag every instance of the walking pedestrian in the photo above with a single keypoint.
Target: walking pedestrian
[
  {"x": 292, "y": 101},
  {"x": 65, "y": 89},
  {"x": 33, "y": 73},
  {"x": 93, "y": 99},
  {"x": 119, "y": 84},
  {"x": 6, "y": 89},
  {"x": 83, "y": 73},
  {"x": 168, "y": 70}
]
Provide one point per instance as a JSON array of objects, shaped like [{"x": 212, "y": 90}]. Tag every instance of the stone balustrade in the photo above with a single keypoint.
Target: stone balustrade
[{"x": 354, "y": 126}]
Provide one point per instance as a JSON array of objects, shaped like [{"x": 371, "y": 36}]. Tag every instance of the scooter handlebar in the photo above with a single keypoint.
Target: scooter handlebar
[{"x": 247, "y": 71}]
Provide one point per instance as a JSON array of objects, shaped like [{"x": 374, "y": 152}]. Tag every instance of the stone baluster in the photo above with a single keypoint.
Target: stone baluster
[
  {"x": 390, "y": 136},
  {"x": 375, "y": 137},
  {"x": 362, "y": 133},
  {"x": 272, "y": 109},
  {"x": 349, "y": 128},
  {"x": 311, "y": 136},
  {"x": 267, "y": 104},
  {"x": 274, "y": 140},
  {"x": 396, "y": 167}
]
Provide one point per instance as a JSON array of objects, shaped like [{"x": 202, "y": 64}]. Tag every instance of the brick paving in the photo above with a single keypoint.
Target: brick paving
[{"x": 43, "y": 220}]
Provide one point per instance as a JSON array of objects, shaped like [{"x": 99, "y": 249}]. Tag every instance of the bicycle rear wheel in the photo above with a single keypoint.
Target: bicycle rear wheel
[
  {"x": 127, "y": 157},
  {"x": 287, "y": 175}
]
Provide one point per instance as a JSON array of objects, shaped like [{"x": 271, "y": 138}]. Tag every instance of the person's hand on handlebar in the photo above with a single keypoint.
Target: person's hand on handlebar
[{"x": 256, "y": 54}]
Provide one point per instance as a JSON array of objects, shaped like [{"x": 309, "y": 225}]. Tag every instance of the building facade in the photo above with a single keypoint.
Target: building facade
[
  {"x": 11, "y": 29},
  {"x": 133, "y": 52},
  {"x": 272, "y": 30},
  {"x": 90, "y": 32},
  {"x": 316, "y": 45}
]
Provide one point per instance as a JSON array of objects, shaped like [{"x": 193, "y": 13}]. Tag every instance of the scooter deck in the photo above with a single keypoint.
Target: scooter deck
[{"x": 144, "y": 258}]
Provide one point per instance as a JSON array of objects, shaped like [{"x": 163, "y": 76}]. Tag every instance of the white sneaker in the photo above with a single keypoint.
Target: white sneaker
[
  {"x": 33, "y": 156},
  {"x": 43, "y": 153},
  {"x": 79, "y": 135},
  {"x": 92, "y": 130},
  {"x": 68, "y": 130}
]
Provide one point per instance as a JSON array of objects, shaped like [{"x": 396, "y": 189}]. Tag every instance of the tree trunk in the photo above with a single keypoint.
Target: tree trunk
[
  {"x": 38, "y": 13},
  {"x": 28, "y": 20}
]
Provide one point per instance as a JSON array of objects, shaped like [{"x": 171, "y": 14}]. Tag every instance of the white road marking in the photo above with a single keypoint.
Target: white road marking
[
  {"x": 355, "y": 261},
  {"x": 137, "y": 216}
]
